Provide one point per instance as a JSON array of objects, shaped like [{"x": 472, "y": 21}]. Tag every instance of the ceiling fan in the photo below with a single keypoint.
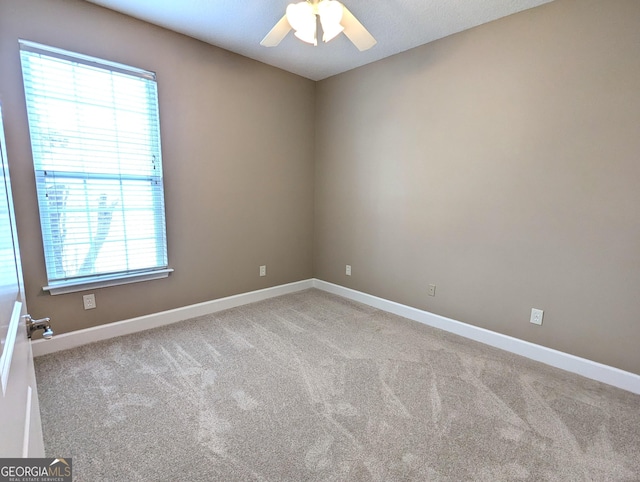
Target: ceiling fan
[{"x": 334, "y": 18}]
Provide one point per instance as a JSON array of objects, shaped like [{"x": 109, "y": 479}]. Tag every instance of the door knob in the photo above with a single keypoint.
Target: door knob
[{"x": 41, "y": 324}]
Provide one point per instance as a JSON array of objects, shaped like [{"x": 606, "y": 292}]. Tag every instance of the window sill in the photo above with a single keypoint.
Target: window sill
[{"x": 104, "y": 281}]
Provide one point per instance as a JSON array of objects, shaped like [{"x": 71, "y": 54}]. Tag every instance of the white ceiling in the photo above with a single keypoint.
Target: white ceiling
[{"x": 239, "y": 25}]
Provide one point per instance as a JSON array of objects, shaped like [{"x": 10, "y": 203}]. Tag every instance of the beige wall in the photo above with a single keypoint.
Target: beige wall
[
  {"x": 501, "y": 164},
  {"x": 237, "y": 139}
]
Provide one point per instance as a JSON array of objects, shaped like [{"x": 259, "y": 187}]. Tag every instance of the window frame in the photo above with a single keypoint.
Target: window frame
[{"x": 80, "y": 282}]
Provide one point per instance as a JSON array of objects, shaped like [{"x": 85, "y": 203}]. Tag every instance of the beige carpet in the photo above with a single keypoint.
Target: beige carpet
[{"x": 311, "y": 386}]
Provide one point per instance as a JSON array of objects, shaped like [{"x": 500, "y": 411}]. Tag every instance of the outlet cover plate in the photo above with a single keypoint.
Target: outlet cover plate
[
  {"x": 536, "y": 316},
  {"x": 89, "y": 301}
]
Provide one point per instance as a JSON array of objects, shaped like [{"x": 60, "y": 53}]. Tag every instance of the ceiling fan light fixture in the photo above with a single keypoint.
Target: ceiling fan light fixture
[
  {"x": 308, "y": 36},
  {"x": 330, "y": 13},
  {"x": 334, "y": 17},
  {"x": 330, "y": 34},
  {"x": 301, "y": 16}
]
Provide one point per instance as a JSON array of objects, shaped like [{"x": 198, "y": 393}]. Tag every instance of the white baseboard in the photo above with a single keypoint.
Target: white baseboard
[
  {"x": 581, "y": 366},
  {"x": 155, "y": 320}
]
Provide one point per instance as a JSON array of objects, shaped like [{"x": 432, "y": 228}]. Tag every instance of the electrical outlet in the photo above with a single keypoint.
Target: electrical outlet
[
  {"x": 348, "y": 270},
  {"x": 89, "y": 301},
  {"x": 432, "y": 290},
  {"x": 536, "y": 316},
  {"x": 263, "y": 270}
]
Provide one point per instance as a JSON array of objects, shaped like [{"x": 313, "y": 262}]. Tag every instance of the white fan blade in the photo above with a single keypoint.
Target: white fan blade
[
  {"x": 356, "y": 32},
  {"x": 277, "y": 33}
]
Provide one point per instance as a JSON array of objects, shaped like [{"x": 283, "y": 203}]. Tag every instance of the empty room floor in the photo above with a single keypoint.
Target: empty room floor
[{"x": 311, "y": 386}]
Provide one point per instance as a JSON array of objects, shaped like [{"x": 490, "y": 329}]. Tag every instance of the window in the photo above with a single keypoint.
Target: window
[{"x": 95, "y": 139}]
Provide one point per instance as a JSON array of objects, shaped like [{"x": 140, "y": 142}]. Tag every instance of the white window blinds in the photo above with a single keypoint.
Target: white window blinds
[{"x": 95, "y": 140}]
